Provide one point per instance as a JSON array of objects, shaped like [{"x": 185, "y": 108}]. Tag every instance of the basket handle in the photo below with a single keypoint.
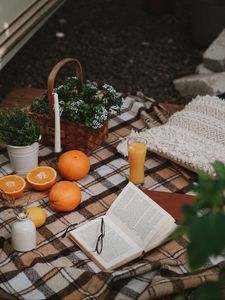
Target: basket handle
[{"x": 55, "y": 71}]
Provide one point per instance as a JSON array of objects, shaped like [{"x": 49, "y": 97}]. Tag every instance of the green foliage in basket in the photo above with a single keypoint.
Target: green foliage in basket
[
  {"x": 18, "y": 127},
  {"x": 87, "y": 105},
  {"x": 204, "y": 225}
]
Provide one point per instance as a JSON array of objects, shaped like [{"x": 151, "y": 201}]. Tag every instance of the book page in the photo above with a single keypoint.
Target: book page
[
  {"x": 117, "y": 247},
  {"x": 160, "y": 236},
  {"x": 139, "y": 216}
]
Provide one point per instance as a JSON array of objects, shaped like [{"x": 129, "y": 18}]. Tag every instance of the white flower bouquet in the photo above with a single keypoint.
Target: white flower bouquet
[{"x": 88, "y": 105}]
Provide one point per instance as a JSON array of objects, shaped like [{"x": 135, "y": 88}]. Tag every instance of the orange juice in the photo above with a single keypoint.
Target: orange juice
[{"x": 136, "y": 157}]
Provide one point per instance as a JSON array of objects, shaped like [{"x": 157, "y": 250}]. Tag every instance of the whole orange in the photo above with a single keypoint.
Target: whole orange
[
  {"x": 74, "y": 164},
  {"x": 64, "y": 196}
]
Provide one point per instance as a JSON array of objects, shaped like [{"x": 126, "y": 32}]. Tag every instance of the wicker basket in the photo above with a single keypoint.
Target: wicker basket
[{"x": 74, "y": 135}]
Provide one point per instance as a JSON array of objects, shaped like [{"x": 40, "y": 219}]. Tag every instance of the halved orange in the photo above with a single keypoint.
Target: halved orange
[
  {"x": 41, "y": 178},
  {"x": 12, "y": 185}
]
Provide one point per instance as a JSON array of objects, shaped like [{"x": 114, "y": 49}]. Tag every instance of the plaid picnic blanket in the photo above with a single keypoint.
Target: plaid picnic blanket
[{"x": 58, "y": 269}]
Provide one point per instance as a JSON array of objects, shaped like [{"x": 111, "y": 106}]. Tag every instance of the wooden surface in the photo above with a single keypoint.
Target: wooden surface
[{"x": 21, "y": 96}]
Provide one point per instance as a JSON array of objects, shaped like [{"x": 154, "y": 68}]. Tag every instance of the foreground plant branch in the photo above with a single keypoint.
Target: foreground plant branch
[{"x": 204, "y": 225}]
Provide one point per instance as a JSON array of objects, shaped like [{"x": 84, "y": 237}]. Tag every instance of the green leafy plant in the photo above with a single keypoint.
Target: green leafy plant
[
  {"x": 204, "y": 225},
  {"x": 85, "y": 104},
  {"x": 18, "y": 127}
]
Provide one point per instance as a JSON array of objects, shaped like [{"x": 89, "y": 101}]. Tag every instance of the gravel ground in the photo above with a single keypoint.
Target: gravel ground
[{"x": 117, "y": 42}]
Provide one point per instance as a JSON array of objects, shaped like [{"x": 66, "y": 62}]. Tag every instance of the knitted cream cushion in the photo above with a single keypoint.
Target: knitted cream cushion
[{"x": 193, "y": 137}]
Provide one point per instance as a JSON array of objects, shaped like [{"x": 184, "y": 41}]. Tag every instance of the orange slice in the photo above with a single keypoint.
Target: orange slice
[
  {"x": 41, "y": 178},
  {"x": 12, "y": 185}
]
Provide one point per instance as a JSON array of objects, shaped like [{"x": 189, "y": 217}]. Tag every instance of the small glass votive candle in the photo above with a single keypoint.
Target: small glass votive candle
[{"x": 137, "y": 148}]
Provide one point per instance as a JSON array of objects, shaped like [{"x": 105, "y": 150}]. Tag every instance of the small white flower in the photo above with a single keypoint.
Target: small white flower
[
  {"x": 91, "y": 85},
  {"x": 95, "y": 124},
  {"x": 109, "y": 88},
  {"x": 60, "y": 87},
  {"x": 61, "y": 105}
]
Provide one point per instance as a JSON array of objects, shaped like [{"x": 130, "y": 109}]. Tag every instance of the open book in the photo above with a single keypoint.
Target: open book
[{"x": 134, "y": 224}]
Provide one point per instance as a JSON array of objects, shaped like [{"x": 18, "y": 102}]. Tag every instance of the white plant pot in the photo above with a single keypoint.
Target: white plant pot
[{"x": 23, "y": 158}]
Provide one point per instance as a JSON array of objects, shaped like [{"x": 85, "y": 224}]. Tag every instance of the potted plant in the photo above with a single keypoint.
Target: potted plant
[{"x": 20, "y": 132}]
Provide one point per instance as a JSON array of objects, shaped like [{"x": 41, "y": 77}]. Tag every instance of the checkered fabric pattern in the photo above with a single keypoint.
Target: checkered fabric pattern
[{"x": 58, "y": 269}]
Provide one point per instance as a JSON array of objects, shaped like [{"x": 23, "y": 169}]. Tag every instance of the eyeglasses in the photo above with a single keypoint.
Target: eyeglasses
[
  {"x": 99, "y": 243},
  {"x": 67, "y": 229}
]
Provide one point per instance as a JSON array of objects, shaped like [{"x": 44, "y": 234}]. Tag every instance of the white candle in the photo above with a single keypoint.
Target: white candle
[{"x": 57, "y": 124}]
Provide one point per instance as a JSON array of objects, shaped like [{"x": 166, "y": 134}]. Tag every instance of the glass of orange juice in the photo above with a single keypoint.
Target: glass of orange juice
[{"x": 137, "y": 148}]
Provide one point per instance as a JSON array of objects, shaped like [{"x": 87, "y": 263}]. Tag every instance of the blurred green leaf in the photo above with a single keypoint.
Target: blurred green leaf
[
  {"x": 209, "y": 291},
  {"x": 219, "y": 169},
  {"x": 189, "y": 212},
  {"x": 177, "y": 233},
  {"x": 204, "y": 225},
  {"x": 179, "y": 297},
  {"x": 207, "y": 238},
  {"x": 222, "y": 275}
]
